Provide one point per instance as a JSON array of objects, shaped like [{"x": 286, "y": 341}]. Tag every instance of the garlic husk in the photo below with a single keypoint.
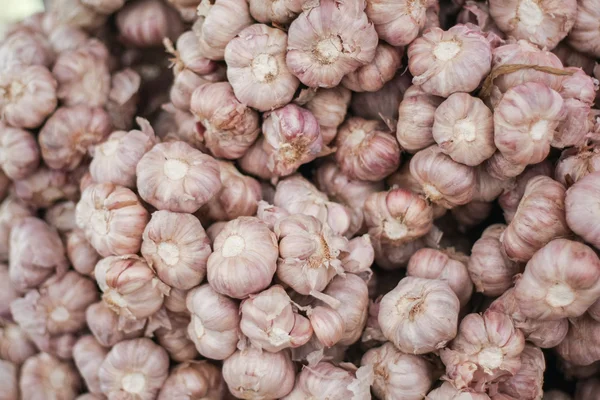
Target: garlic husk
[
  {"x": 581, "y": 218},
  {"x": 416, "y": 117},
  {"x": 104, "y": 325},
  {"x": 88, "y": 355},
  {"x": 398, "y": 22},
  {"x": 195, "y": 380},
  {"x": 44, "y": 376}
]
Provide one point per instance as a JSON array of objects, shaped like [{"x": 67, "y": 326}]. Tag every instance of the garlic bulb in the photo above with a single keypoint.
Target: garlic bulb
[
  {"x": 89, "y": 355},
  {"x": 398, "y": 22},
  {"x": 104, "y": 325},
  {"x": 416, "y": 117},
  {"x": 500, "y": 168},
  {"x": 15, "y": 345},
  {"x": 280, "y": 13},
  {"x": 195, "y": 380},
  {"x": 419, "y": 315},
  {"x": 134, "y": 369},
  {"x": 19, "y": 152},
  {"x": 329, "y": 106},
  {"x": 145, "y": 23},
  {"x": 43, "y": 376},
  {"x": 581, "y": 217},
  {"x": 373, "y": 76},
  {"x": 582, "y": 37},
  {"x": 359, "y": 257},
  {"x": 44, "y": 187},
  {"x": 527, "y": 382},
  {"x": 12, "y": 210},
  {"x": 61, "y": 216},
  {"x": 579, "y": 346},
  {"x": 188, "y": 56},
  {"x": 25, "y": 47},
  {"x": 327, "y": 324},
  {"x": 81, "y": 254}
]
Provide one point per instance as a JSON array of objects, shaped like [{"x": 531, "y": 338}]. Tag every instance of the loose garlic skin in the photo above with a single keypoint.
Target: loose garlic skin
[
  {"x": 252, "y": 374},
  {"x": 329, "y": 106},
  {"x": 27, "y": 95},
  {"x": 231, "y": 126},
  {"x": 373, "y": 76},
  {"x": 445, "y": 62},
  {"x": 463, "y": 129},
  {"x": 561, "y": 280},
  {"x": 104, "y": 325},
  {"x": 574, "y": 164},
  {"x": 525, "y": 121},
  {"x": 145, "y": 23},
  {"x": 214, "y": 327},
  {"x": 581, "y": 214},
  {"x": 44, "y": 376},
  {"x": 115, "y": 160},
  {"x": 177, "y": 248},
  {"x": 82, "y": 256},
  {"x": 15, "y": 345},
  {"x": 582, "y": 37},
  {"x": 448, "y": 392},
  {"x": 112, "y": 218},
  {"x": 419, "y": 315},
  {"x": 345, "y": 41},
  {"x": 527, "y": 382},
  {"x": 540, "y": 218},
  {"x": 89, "y": 355},
  {"x": 489, "y": 267},
  {"x": 176, "y": 177},
  {"x": 193, "y": 380},
  {"x": 244, "y": 258},
  {"x": 19, "y": 152},
  {"x": 257, "y": 70},
  {"x": 543, "y": 23},
  {"x": 134, "y": 369},
  {"x": 365, "y": 150},
  {"x": 580, "y": 345},
  {"x": 443, "y": 180},
  {"x": 398, "y": 375},
  {"x": 416, "y": 116},
  {"x": 398, "y": 22}
]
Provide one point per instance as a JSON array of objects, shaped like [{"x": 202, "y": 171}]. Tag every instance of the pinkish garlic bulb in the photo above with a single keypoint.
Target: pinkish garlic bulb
[
  {"x": 251, "y": 373},
  {"x": 82, "y": 256},
  {"x": 104, "y": 6},
  {"x": 43, "y": 376},
  {"x": 399, "y": 375},
  {"x": 419, "y": 315},
  {"x": 280, "y": 13},
  {"x": 12, "y": 210},
  {"x": 214, "y": 327},
  {"x": 19, "y": 152},
  {"x": 540, "y": 218},
  {"x": 329, "y": 106},
  {"x": 45, "y": 187},
  {"x": 65, "y": 37},
  {"x": 112, "y": 218},
  {"x": 345, "y": 41},
  {"x": 443, "y": 180},
  {"x": 478, "y": 14},
  {"x": 175, "y": 301},
  {"x": 445, "y": 62},
  {"x": 257, "y": 70},
  {"x": 580, "y": 345},
  {"x": 134, "y": 369},
  {"x": 543, "y": 23},
  {"x": 25, "y": 47},
  {"x": 183, "y": 86},
  {"x": 554, "y": 286},
  {"x": 416, "y": 116},
  {"x": 175, "y": 339},
  {"x": 216, "y": 227},
  {"x": 194, "y": 380},
  {"x": 525, "y": 121},
  {"x": 489, "y": 188},
  {"x": 15, "y": 345},
  {"x": 398, "y": 22},
  {"x": 486, "y": 347},
  {"x": 448, "y": 392},
  {"x": 327, "y": 324},
  {"x": 27, "y": 95},
  {"x": 359, "y": 256},
  {"x": 123, "y": 98},
  {"x": 582, "y": 37},
  {"x": 464, "y": 130},
  {"x": 446, "y": 265},
  {"x": 581, "y": 215},
  {"x": 104, "y": 325},
  {"x": 373, "y": 76},
  {"x": 575, "y": 164},
  {"x": 130, "y": 287},
  {"x": 231, "y": 126},
  {"x": 115, "y": 160},
  {"x": 61, "y": 216},
  {"x": 176, "y": 177},
  {"x": 270, "y": 323},
  {"x": 88, "y": 355},
  {"x": 366, "y": 150},
  {"x": 527, "y": 382},
  {"x": 308, "y": 253},
  {"x": 267, "y": 213},
  {"x": 145, "y": 23},
  {"x": 70, "y": 132},
  {"x": 177, "y": 248},
  {"x": 244, "y": 259},
  {"x": 36, "y": 252},
  {"x": 188, "y": 55},
  {"x": 83, "y": 76},
  {"x": 75, "y": 13},
  {"x": 489, "y": 267},
  {"x": 500, "y": 168},
  {"x": 292, "y": 138},
  {"x": 9, "y": 378}
]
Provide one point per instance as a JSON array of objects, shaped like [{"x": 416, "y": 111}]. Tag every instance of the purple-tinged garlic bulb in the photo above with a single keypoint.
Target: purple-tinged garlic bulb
[
  {"x": 448, "y": 392},
  {"x": 398, "y": 22},
  {"x": 19, "y": 152},
  {"x": 81, "y": 254},
  {"x": 195, "y": 380},
  {"x": 145, "y": 23},
  {"x": 582, "y": 36},
  {"x": 416, "y": 117},
  {"x": 15, "y": 345},
  {"x": 104, "y": 325},
  {"x": 45, "y": 187},
  {"x": 373, "y": 76},
  {"x": 43, "y": 376},
  {"x": 88, "y": 355},
  {"x": 581, "y": 215}
]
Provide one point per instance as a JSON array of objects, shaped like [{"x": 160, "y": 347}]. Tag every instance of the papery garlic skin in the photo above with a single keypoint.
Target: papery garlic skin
[
  {"x": 543, "y": 23},
  {"x": 134, "y": 369},
  {"x": 12, "y": 210},
  {"x": 176, "y": 177},
  {"x": 112, "y": 218},
  {"x": 582, "y": 36},
  {"x": 214, "y": 327},
  {"x": 45, "y": 187},
  {"x": 115, "y": 160},
  {"x": 540, "y": 218},
  {"x": 463, "y": 129},
  {"x": 448, "y": 392},
  {"x": 27, "y": 95},
  {"x": 416, "y": 117},
  {"x": 407, "y": 315},
  {"x": 365, "y": 150},
  {"x": 177, "y": 248},
  {"x": 345, "y": 41},
  {"x": 257, "y": 70},
  {"x": 15, "y": 345},
  {"x": 574, "y": 164},
  {"x": 104, "y": 325},
  {"x": 373, "y": 76},
  {"x": 145, "y": 23},
  {"x": 81, "y": 254},
  {"x": 398, "y": 375},
  {"x": 175, "y": 339},
  {"x": 579, "y": 346},
  {"x": 89, "y": 355},
  {"x": 581, "y": 216},
  {"x": 527, "y": 382},
  {"x": 445, "y": 62},
  {"x": 44, "y": 376},
  {"x": 398, "y": 22},
  {"x": 196, "y": 380},
  {"x": 561, "y": 280},
  {"x": 244, "y": 258}
]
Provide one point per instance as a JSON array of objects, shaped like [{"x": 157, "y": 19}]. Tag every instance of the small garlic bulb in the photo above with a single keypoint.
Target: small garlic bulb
[
  {"x": 329, "y": 106},
  {"x": 448, "y": 392},
  {"x": 214, "y": 327},
  {"x": 44, "y": 376},
  {"x": 45, "y": 187},
  {"x": 194, "y": 380},
  {"x": 345, "y": 41},
  {"x": 581, "y": 215},
  {"x": 176, "y": 177},
  {"x": 257, "y": 70},
  {"x": 15, "y": 345},
  {"x": 81, "y": 254},
  {"x": 113, "y": 219},
  {"x": 527, "y": 382},
  {"x": 419, "y": 315},
  {"x": 399, "y": 375},
  {"x": 145, "y": 23},
  {"x": 12, "y": 210},
  {"x": 25, "y": 47},
  {"x": 104, "y": 325},
  {"x": 175, "y": 339},
  {"x": 373, "y": 76},
  {"x": 553, "y": 286},
  {"x": 176, "y": 247},
  {"x": 398, "y": 22},
  {"x": 416, "y": 116},
  {"x": 582, "y": 37},
  {"x": 88, "y": 355},
  {"x": 134, "y": 369}
]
